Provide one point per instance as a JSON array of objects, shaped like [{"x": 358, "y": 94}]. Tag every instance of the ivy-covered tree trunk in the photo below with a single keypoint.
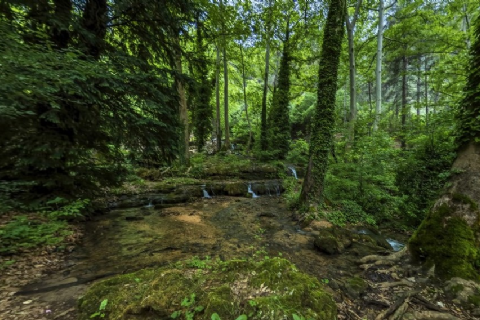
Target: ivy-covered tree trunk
[
  {"x": 263, "y": 132},
  {"x": 324, "y": 118},
  {"x": 279, "y": 114},
  {"x": 449, "y": 236},
  {"x": 183, "y": 112},
  {"x": 218, "y": 127},
  {"x": 203, "y": 116}
]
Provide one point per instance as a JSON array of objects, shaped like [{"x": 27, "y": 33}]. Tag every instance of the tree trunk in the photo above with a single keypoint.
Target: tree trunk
[
  {"x": 245, "y": 100},
  {"x": 449, "y": 235},
  {"x": 185, "y": 155},
  {"x": 378, "y": 69},
  {"x": 218, "y": 126},
  {"x": 351, "y": 56},
  {"x": 404, "y": 103},
  {"x": 426, "y": 94},
  {"x": 324, "y": 118},
  {"x": 419, "y": 86},
  {"x": 225, "y": 98},
  {"x": 263, "y": 132}
]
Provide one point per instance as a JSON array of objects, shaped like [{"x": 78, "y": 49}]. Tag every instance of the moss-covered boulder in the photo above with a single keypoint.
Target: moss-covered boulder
[
  {"x": 270, "y": 289},
  {"x": 448, "y": 242},
  {"x": 236, "y": 189},
  {"x": 333, "y": 240}
]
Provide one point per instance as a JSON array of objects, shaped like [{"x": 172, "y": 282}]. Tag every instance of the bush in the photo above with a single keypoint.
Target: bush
[
  {"x": 298, "y": 153},
  {"x": 22, "y": 233}
]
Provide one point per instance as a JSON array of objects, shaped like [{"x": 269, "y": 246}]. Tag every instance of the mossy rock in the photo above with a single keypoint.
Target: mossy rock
[
  {"x": 447, "y": 242},
  {"x": 355, "y": 287},
  {"x": 333, "y": 240},
  {"x": 236, "y": 189},
  {"x": 270, "y": 289}
]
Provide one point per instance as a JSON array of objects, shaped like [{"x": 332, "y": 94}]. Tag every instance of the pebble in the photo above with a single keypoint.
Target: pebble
[{"x": 27, "y": 302}]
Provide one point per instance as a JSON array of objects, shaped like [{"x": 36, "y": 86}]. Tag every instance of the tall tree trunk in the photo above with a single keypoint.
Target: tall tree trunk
[
  {"x": 378, "y": 69},
  {"x": 419, "y": 86},
  {"x": 324, "y": 118},
  {"x": 225, "y": 98},
  {"x": 94, "y": 20},
  {"x": 404, "y": 102},
  {"x": 426, "y": 93},
  {"x": 244, "y": 78},
  {"x": 183, "y": 111},
  {"x": 449, "y": 235},
  {"x": 263, "y": 132},
  {"x": 218, "y": 126},
  {"x": 351, "y": 56}
]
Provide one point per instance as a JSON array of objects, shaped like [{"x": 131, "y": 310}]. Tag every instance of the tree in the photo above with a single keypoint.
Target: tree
[
  {"x": 350, "y": 23},
  {"x": 378, "y": 69},
  {"x": 449, "y": 235},
  {"x": 279, "y": 113},
  {"x": 88, "y": 84},
  {"x": 324, "y": 118},
  {"x": 202, "y": 120}
]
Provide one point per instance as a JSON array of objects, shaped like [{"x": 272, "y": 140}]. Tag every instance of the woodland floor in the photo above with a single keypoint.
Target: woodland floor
[{"x": 44, "y": 284}]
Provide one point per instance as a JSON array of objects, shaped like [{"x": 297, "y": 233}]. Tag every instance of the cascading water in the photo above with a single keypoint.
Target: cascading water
[
  {"x": 294, "y": 172},
  {"x": 205, "y": 193},
  {"x": 254, "y": 195},
  {"x": 150, "y": 204}
]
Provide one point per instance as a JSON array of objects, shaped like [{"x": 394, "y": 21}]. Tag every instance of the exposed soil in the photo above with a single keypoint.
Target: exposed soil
[{"x": 44, "y": 285}]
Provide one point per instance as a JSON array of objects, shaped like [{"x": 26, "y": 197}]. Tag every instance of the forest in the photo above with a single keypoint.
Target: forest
[{"x": 240, "y": 159}]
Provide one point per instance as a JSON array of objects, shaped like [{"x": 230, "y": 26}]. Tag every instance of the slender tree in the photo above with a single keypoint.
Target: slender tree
[
  {"x": 378, "y": 69},
  {"x": 350, "y": 23},
  {"x": 324, "y": 118}
]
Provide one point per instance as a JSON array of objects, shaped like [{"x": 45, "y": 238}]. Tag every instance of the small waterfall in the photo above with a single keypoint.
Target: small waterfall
[
  {"x": 205, "y": 192},
  {"x": 277, "y": 189},
  {"x": 294, "y": 172},
  {"x": 254, "y": 195},
  {"x": 267, "y": 186},
  {"x": 396, "y": 246},
  {"x": 149, "y": 205}
]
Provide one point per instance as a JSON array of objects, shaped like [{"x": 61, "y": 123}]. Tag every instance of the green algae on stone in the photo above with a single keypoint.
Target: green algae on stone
[
  {"x": 447, "y": 242},
  {"x": 269, "y": 289}
]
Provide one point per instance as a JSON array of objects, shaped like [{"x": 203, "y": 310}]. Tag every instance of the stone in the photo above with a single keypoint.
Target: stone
[{"x": 333, "y": 240}]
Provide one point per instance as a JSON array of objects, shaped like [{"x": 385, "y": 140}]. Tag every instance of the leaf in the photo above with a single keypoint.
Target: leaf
[
  {"x": 175, "y": 314},
  {"x": 215, "y": 316},
  {"x": 242, "y": 317}
]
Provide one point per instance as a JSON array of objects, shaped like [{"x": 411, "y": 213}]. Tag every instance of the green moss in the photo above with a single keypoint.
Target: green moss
[
  {"x": 272, "y": 287},
  {"x": 236, "y": 189},
  {"x": 355, "y": 287},
  {"x": 462, "y": 198},
  {"x": 448, "y": 243},
  {"x": 474, "y": 299}
]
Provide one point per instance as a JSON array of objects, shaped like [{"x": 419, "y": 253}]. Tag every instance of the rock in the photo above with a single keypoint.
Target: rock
[
  {"x": 355, "y": 287},
  {"x": 134, "y": 218},
  {"x": 466, "y": 292},
  {"x": 333, "y": 240},
  {"x": 476, "y": 312}
]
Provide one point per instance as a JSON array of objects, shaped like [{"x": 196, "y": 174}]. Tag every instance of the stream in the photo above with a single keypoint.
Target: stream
[{"x": 126, "y": 240}]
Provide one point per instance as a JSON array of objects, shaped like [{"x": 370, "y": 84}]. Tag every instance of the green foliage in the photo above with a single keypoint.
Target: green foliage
[
  {"x": 23, "y": 233},
  {"x": 292, "y": 192},
  {"x": 298, "y": 153},
  {"x": 421, "y": 173},
  {"x": 101, "y": 310},
  {"x": 367, "y": 179},
  {"x": 68, "y": 115},
  {"x": 69, "y": 211}
]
